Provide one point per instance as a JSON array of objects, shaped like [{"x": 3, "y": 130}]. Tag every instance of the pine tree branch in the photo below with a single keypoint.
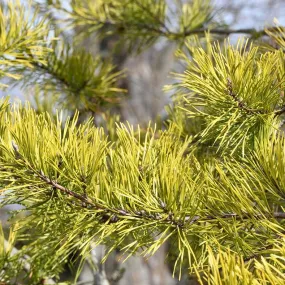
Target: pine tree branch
[
  {"x": 159, "y": 218},
  {"x": 243, "y": 106},
  {"x": 227, "y": 32},
  {"x": 59, "y": 79},
  {"x": 22, "y": 34},
  {"x": 122, "y": 27},
  {"x": 65, "y": 190},
  {"x": 145, "y": 9},
  {"x": 280, "y": 111},
  {"x": 240, "y": 103},
  {"x": 114, "y": 215},
  {"x": 219, "y": 31},
  {"x": 141, "y": 214},
  {"x": 97, "y": 84},
  {"x": 24, "y": 260},
  {"x": 163, "y": 30}
]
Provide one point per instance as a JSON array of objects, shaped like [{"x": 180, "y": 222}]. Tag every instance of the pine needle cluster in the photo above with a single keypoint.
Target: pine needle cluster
[{"x": 211, "y": 184}]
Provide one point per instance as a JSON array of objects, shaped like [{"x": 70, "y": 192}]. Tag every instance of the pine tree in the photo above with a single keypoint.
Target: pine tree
[{"x": 210, "y": 183}]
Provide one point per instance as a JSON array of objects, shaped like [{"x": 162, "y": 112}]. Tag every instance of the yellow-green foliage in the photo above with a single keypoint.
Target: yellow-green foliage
[
  {"x": 140, "y": 22},
  {"x": 131, "y": 194},
  {"x": 223, "y": 215},
  {"x": 79, "y": 80},
  {"x": 235, "y": 91},
  {"x": 226, "y": 268},
  {"x": 23, "y": 39}
]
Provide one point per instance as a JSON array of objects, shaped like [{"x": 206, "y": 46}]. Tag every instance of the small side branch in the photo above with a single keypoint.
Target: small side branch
[
  {"x": 244, "y": 107},
  {"x": 65, "y": 190},
  {"x": 280, "y": 111},
  {"x": 240, "y": 103},
  {"x": 163, "y": 30},
  {"x": 227, "y": 32},
  {"x": 114, "y": 215}
]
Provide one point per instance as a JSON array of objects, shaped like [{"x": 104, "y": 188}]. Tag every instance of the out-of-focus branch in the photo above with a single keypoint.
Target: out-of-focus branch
[
  {"x": 14, "y": 251},
  {"x": 219, "y": 31},
  {"x": 26, "y": 264}
]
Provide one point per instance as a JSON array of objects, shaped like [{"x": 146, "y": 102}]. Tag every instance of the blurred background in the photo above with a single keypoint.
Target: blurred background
[{"x": 146, "y": 74}]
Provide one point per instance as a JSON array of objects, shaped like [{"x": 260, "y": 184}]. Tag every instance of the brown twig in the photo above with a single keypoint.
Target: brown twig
[
  {"x": 113, "y": 215},
  {"x": 117, "y": 213},
  {"x": 243, "y": 106},
  {"x": 240, "y": 103},
  {"x": 226, "y": 32},
  {"x": 65, "y": 190},
  {"x": 280, "y": 111}
]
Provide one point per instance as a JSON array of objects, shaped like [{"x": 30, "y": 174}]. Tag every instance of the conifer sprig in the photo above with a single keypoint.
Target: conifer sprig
[
  {"x": 80, "y": 80},
  {"x": 223, "y": 215},
  {"x": 234, "y": 91},
  {"x": 114, "y": 194},
  {"x": 23, "y": 39},
  {"x": 140, "y": 23}
]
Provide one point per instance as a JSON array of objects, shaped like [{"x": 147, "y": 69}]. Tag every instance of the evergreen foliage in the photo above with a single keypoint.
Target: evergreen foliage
[
  {"x": 23, "y": 39},
  {"x": 140, "y": 23},
  {"x": 79, "y": 80},
  {"x": 212, "y": 183},
  {"x": 234, "y": 91}
]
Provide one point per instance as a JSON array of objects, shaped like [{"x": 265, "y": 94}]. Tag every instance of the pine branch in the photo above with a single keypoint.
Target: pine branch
[
  {"x": 60, "y": 79},
  {"x": 117, "y": 214},
  {"x": 240, "y": 103},
  {"x": 114, "y": 214},
  {"x": 280, "y": 111},
  {"x": 243, "y": 106},
  {"x": 23, "y": 40},
  {"x": 148, "y": 11},
  {"x": 162, "y": 29},
  {"x": 26, "y": 265},
  {"x": 65, "y": 190},
  {"x": 165, "y": 32},
  {"x": 227, "y": 32},
  {"x": 181, "y": 224},
  {"x": 96, "y": 80}
]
